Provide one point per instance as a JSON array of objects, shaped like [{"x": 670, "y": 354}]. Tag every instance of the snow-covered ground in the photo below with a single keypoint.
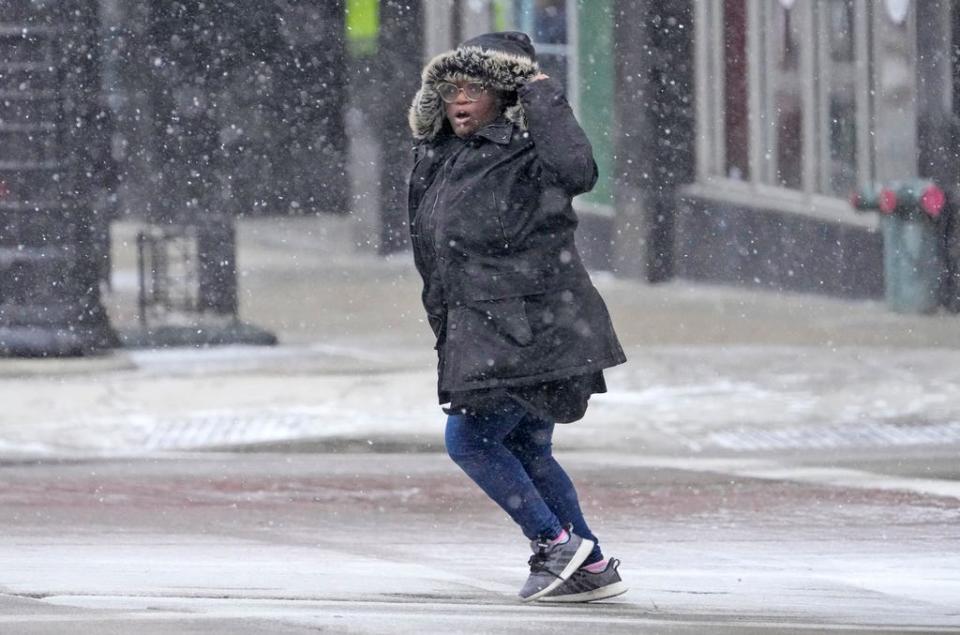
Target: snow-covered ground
[
  {"x": 763, "y": 463},
  {"x": 679, "y": 399},
  {"x": 386, "y": 543}
]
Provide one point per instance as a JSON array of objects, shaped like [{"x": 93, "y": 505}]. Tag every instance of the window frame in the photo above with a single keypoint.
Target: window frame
[
  {"x": 760, "y": 187},
  {"x": 831, "y": 73}
]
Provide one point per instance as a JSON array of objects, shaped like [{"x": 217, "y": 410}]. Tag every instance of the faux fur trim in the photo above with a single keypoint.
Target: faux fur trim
[{"x": 500, "y": 70}]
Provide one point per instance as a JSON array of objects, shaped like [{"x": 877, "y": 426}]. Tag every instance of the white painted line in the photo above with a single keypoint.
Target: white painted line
[
  {"x": 771, "y": 470},
  {"x": 857, "y": 479}
]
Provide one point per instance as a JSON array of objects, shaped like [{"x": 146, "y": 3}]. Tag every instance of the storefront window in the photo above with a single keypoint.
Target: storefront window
[
  {"x": 837, "y": 75},
  {"x": 546, "y": 22},
  {"x": 735, "y": 96},
  {"x": 786, "y": 104},
  {"x": 783, "y": 94},
  {"x": 550, "y": 36},
  {"x": 550, "y": 21}
]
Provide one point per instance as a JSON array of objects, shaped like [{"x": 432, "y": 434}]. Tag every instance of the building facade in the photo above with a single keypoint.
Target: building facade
[
  {"x": 797, "y": 105},
  {"x": 730, "y": 134}
]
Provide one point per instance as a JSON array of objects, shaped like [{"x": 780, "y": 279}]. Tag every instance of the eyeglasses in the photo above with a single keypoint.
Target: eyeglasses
[{"x": 449, "y": 92}]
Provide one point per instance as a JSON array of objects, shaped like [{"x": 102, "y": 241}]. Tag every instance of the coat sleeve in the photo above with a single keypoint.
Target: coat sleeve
[{"x": 562, "y": 145}]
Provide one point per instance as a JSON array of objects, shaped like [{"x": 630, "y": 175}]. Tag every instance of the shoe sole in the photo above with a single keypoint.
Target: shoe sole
[
  {"x": 586, "y": 546},
  {"x": 603, "y": 593}
]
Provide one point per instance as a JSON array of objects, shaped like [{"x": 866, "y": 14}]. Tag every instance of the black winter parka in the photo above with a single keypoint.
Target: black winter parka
[{"x": 492, "y": 229}]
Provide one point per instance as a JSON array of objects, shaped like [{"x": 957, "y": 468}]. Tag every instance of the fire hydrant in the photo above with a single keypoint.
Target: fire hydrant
[{"x": 912, "y": 214}]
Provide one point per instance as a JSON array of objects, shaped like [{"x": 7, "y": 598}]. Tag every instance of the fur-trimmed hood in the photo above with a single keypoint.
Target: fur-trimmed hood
[{"x": 505, "y": 61}]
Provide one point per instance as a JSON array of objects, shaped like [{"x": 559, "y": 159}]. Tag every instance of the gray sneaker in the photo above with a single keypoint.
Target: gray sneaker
[
  {"x": 551, "y": 565},
  {"x": 584, "y": 586}
]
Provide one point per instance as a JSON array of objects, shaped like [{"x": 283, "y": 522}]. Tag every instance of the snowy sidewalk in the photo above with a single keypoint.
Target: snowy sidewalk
[
  {"x": 711, "y": 369},
  {"x": 667, "y": 399}
]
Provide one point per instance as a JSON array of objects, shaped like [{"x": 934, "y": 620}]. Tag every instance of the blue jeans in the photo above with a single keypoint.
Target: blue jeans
[{"x": 508, "y": 453}]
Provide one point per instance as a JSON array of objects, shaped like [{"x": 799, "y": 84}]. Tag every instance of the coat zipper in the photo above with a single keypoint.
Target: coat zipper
[
  {"x": 436, "y": 200},
  {"x": 496, "y": 212}
]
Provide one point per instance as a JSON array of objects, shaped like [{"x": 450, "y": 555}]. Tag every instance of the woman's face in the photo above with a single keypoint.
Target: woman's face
[{"x": 466, "y": 117}]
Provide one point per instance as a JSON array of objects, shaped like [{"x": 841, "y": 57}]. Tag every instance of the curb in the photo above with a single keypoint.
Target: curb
[{"x": 54, "y": 366}]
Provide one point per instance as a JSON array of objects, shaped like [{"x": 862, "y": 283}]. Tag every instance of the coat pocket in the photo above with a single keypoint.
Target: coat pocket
[
  {"x": 508, "y": 317},
  {"x": 487, "y": 340}
]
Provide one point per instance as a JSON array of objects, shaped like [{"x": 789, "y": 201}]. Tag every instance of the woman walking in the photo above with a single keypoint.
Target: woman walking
[{"x": 522, "y": 334}]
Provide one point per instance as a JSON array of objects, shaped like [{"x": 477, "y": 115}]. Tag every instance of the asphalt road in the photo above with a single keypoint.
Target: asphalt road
[{"x": 396, "y": 543}]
